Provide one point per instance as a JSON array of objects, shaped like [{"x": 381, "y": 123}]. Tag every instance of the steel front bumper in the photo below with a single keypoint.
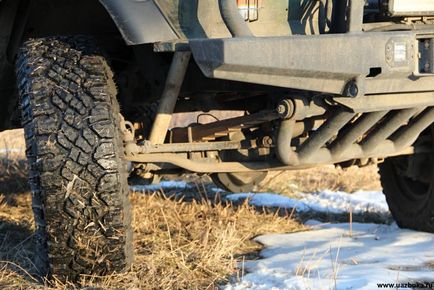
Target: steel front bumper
[{"x": 349, "y": 64}]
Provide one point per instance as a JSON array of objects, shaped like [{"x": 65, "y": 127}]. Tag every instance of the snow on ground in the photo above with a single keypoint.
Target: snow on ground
[
  {"x": 12, "y": 153},
  {"x": 325, "y": 201},
  {"x": 11, "y": 150},
  {"x": 164, "y": 185},
  {"x": 327, "y": 257},
  {"x": 330, "y": 256}
]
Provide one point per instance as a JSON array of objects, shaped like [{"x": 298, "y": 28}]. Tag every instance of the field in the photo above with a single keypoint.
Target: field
[{"x": 183, "y": 239}]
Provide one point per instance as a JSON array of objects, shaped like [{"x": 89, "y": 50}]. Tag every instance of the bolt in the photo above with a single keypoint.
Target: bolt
[
  {"x": 281, "y": 109},
  {"x": 285, "y": 108},
  {"x": 352, "y": 90},
  {"x": 267, "y": 141}
]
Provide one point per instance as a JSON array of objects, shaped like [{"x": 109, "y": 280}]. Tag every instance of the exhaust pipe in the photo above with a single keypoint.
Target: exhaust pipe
[
  {"x": 393, "y": 136},
  {"x": 233, "y": 20}
]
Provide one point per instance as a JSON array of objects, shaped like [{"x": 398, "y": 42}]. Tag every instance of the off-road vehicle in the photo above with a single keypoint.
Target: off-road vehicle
[{"x": 96, "y": 84}]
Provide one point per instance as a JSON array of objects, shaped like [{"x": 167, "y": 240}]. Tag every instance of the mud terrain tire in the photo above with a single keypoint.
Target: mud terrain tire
[
  {"x": 409, "y": 193},
  {"x": 77, "y": 172}
]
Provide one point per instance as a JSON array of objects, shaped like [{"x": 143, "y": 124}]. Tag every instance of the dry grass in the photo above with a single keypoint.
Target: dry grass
[
  {"x": 13, "y": 177},
  {"x": 197, "y": 244},
  {"x": 326, "y": 177},
  {"x": 13, "y": 139},
  {"x": 187, "y": 242},
  {"x": 177, "y": 244}
]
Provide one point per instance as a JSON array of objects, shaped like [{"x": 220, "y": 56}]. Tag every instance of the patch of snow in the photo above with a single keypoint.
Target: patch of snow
[
  {"x": 11, "y": 150},
  {"x": 313, "y": 223},
  {"x": 325, "y": 201},
  {"x": 270, "y": 200},
  {"x": 341, "y": 202},
  {"x": 329, "y": 258},
  {"x": 164, "y": 185}
]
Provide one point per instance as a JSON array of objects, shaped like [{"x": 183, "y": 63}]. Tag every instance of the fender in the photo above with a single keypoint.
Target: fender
[{"x": 139, "y": 21}]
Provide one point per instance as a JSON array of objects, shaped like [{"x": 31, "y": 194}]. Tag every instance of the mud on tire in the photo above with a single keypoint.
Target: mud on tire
[{"x": 77, "y": 173}]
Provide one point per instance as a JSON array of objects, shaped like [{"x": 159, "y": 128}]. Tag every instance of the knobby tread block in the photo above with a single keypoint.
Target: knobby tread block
[
  {"x": 409, "y": 207},
  {"x": 77, "y": 172}
]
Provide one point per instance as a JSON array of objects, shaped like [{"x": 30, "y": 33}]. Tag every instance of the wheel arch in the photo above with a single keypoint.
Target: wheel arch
[
  {"x": 139, "y": 22},
  {"x": 117, "y": 23}
]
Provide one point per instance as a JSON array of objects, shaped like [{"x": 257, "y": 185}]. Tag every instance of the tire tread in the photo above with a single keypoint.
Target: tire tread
[{"x": 77, "y": 172}]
